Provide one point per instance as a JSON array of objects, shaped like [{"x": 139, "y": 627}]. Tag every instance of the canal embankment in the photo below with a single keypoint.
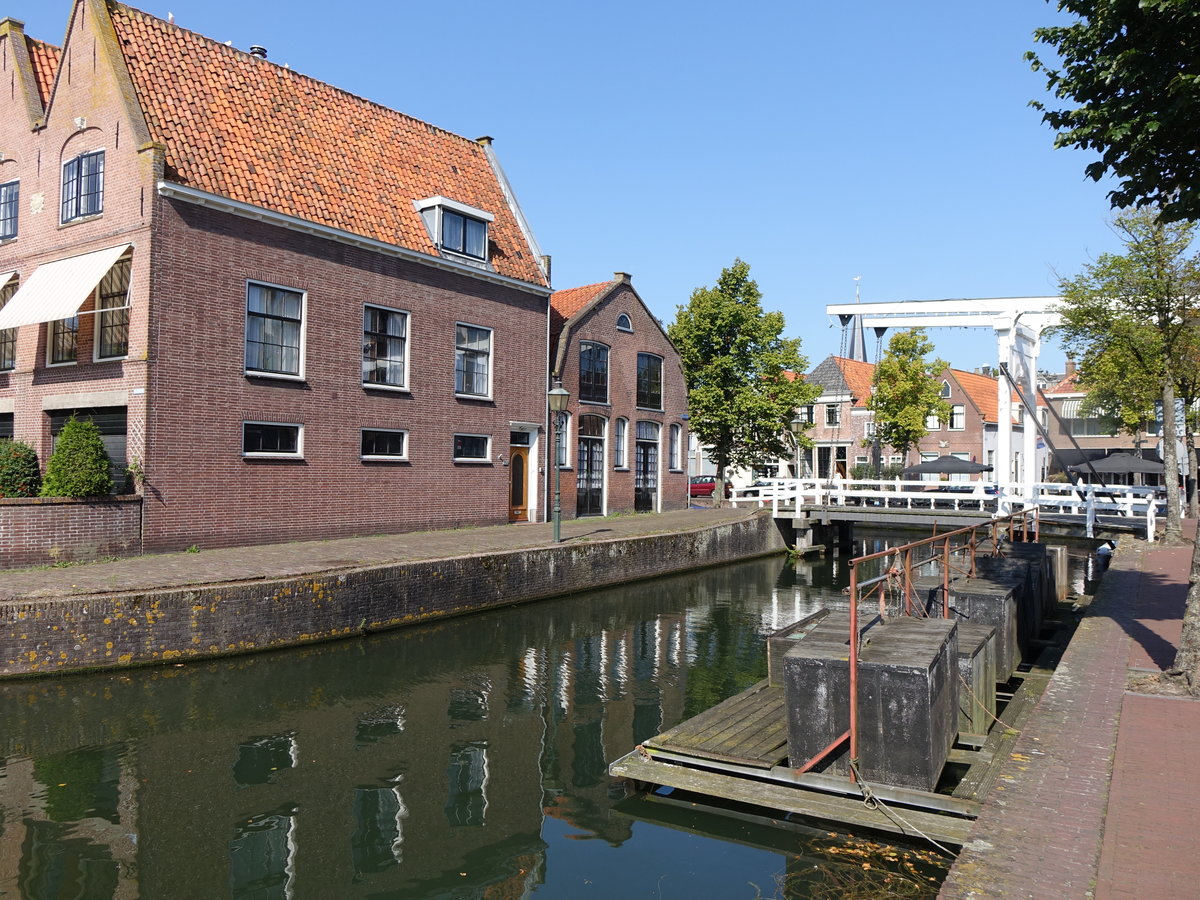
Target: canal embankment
[
  {"x": 1094, "y": 799},
  {"x": 156, "y": 609}
]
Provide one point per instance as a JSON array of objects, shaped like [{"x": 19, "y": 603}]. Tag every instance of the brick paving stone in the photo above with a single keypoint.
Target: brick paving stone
[{"x": 1097, "y": 797}]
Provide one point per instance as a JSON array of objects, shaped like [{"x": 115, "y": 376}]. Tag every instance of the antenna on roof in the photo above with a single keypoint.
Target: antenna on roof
[{"x": 256, "y": 50}]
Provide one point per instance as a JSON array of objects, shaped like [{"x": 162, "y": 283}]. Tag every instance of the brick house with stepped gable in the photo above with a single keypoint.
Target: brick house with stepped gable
[
  {"x": 303, "y": 314},
  {"x": 626, "y": 437},
  {"x": 843, "y": 426}
]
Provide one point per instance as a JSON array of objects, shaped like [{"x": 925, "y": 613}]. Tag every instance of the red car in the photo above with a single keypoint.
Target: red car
[{"x": 702, "y": 485}]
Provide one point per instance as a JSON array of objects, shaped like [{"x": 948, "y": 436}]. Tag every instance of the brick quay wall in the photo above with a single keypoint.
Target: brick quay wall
[{"x": 45, "y": 636}]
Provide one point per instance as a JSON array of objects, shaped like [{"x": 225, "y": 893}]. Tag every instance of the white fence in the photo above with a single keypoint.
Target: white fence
[{"x": 999, "y": 499}]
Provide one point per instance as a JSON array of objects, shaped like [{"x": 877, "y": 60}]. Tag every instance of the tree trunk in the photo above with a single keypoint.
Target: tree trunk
[
  {"x": 1174, "y": 530},
  {"x": 1187, "y": 659}
]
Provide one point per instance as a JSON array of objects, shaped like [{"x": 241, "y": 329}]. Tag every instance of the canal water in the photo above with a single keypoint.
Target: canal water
[{"x": 463, "y": 759}]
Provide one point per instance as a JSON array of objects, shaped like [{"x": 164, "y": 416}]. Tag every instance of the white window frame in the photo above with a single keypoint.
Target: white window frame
[
  {"x": 383, "y": 457},
  {"x": 62, "y": 184},
  {"x": 51, "y": 328},
  {"x": 100, "y": 315},
  {"x": 378, "y": 386},
  {"x": 628, "y": 323},
  {"x": 491, "y": 361},
  {"x": 958, "y": 412},
  {"x": 274, "y": 454},
  {"x": 432, "y": 210},
  {"x": 621, "y": 444},
  {"x": 486, "y": 459},
  {"x": 674, "y": 436},
  {"x": 933, "y": 423},
  {"x": 836, "y": 410},
  {"x": 302, "y": 349}
]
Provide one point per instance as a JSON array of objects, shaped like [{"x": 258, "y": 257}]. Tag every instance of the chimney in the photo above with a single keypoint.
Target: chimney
[
  {"x": 260, "y": 52},
  {"x": 624, "y": 277},
  {"x": 486, "y": 140},
  {"x": 1070, "y": 367},
  {"x": 546, "y": 266}
]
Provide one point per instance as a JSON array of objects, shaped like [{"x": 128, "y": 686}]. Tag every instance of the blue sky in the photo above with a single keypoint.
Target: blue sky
[{"x": 818, "y": 141}]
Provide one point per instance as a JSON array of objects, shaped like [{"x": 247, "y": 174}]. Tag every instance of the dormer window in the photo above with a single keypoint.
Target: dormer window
[{"x": 456, "y": 228}]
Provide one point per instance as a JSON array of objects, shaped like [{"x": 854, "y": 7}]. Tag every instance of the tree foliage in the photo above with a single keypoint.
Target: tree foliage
[
  {"x": 905, "y": 391},
  {"x": 1126, "y": 318},
  {"x": 1129, "y": 71},
  {"x": 79, "y": 465},
  {"x": 743, "y": 377},
  {"x": 19, "y": 473}
]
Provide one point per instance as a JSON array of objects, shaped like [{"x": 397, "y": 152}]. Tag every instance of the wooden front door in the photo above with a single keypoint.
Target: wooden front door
[{"x": 518, "y": 485}]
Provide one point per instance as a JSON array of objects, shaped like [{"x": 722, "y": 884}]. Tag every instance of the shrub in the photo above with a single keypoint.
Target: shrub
[
  {"x": 19, "y": 473},
  {"x": 78, "y": 467}
]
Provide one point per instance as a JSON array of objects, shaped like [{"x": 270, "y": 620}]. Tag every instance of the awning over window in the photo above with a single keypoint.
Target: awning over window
[
  {"x": 1070, "y": 408},
  {"x": 56, "y": 290},
  {"x": 6, "y": 277}
]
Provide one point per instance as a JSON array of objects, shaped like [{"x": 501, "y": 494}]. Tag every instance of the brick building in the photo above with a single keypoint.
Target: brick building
[
  {"x": 625, "y": 442},
  {"x": 300, "y": 313},
  {"x": 843, "y": 427}
]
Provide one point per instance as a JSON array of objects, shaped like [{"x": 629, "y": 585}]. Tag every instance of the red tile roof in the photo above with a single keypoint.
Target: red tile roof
[
  {"x": 1069, "y": 385},
  {"x": 44, "y": 59},
  {"x": 256, "y": 132},
  {"x": 982, "y": 390},
  {"x": 858, "y": 376},
  {"x": 569, "y": 301}
]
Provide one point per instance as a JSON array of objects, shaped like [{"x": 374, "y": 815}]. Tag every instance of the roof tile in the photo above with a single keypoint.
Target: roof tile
[{"x": 259, "y": 133}]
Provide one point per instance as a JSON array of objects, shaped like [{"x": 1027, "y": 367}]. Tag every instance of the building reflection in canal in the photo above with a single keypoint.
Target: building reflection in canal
[{"x": 464, "y": 759}]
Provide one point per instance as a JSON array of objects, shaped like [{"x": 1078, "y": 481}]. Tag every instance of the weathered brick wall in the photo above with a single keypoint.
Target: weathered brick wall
[
  {"x": 43, "y": 636},
  {"x": 201, "y": 490},
  {"x": 600, "y": 325},
  {"x": 44, "y": 530}
]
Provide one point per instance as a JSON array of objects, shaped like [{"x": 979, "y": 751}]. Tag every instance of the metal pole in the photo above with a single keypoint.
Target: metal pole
[
  {"x": 853, "y": 668},
  {"x": 558, "y": 477}
]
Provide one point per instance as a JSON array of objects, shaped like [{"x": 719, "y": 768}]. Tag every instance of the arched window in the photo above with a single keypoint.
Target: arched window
[{"x": 623, "y": 323}]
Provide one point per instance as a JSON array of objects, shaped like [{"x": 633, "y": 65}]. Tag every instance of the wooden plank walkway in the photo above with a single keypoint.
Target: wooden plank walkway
[
  {"x": 843, "y": 810},
  {"x": 749, "y": 729}
]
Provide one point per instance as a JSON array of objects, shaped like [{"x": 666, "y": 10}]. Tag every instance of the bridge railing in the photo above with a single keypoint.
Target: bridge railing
[{"x": 996, "y": 498}]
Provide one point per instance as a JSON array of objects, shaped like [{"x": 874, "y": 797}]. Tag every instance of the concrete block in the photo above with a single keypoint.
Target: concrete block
[
  {"x": 779, "y": 643},
  {"x": 977, "y": 673},
  {"x": 907, "y": 701}
]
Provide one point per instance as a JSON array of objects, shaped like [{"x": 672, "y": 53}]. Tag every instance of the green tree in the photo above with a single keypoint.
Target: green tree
[
  {"x": 743, "y": 377},
  {"x": 19, "y": 473},
  {"x": 1130, "y": 72},
  {"x": 79, "y": 465},
  {"x": 905, "y": 391},
  {"x": 1136, "y": 307}
]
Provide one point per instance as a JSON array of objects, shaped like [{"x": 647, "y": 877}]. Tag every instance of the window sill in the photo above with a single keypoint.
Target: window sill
[
  {"x": 486, "y": 398},
  {"x": 275, "y": 376},
  {"x": 7, "y": 240},
  {"x": 107, "y": 359},
  {"x": 391, "y": 388},
  {"x": 471, "y": 462},
  {"x": 81, "y": 219},
  {"x": 293, "y": 457},
  {"x": 656, "y": 409},
  {"x": 620, "y": 468},
  {"x": 60, "y": 365},
  {"x": 383, "y": 459}
]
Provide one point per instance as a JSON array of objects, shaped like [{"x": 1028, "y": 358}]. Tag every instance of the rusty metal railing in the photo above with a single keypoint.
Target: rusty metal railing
[{"x": 905, "y": 560}]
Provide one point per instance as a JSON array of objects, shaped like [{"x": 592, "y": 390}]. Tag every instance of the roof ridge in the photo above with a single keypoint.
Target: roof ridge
[{"x": 292, "y": 72}]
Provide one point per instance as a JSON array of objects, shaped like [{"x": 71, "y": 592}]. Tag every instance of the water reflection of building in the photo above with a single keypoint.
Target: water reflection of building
[{"x": 414, "y": 764}]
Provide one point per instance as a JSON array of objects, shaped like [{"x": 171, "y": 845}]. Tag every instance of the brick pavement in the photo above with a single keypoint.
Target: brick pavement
[
  {"x": 241, "y": 564},
  {"x": 1096, "y": 799}
]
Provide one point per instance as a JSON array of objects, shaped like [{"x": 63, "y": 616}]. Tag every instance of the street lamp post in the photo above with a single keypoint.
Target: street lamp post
[{"x": 557, "y": 397}]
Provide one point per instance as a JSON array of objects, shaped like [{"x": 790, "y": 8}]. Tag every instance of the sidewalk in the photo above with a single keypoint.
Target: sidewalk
[
  {"x": 1098, "y": 798},
  {"x": 241, "y": 564}
]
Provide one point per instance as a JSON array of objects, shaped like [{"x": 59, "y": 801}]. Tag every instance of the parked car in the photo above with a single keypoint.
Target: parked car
[{"x": 702, "y": 485}]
